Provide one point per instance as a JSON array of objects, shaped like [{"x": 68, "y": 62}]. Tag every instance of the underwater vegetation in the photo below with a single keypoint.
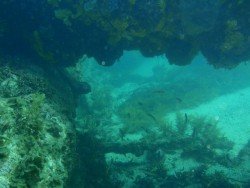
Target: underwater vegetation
[
  {"x": 36, "y": 138},
  {"x": 59, "y": 32},
  {"x": 189, "y": 151},
  {"x": 197, "y": 137},
  {"x": 146, "y": 142},
  {"x": 53, "y": 135},
  {"x": 90, "y": 168}
]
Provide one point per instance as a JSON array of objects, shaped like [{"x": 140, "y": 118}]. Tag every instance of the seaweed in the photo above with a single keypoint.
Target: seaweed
[
  {"x": 201, "y": 138},
  {"x": 36, "y": 139},
  {"x": 60, "y": 32}
]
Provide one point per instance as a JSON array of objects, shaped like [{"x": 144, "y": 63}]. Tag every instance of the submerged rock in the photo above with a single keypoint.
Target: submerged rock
[
  {"x": 59, "y": 32},
  {"x": 36, "y": 134}
]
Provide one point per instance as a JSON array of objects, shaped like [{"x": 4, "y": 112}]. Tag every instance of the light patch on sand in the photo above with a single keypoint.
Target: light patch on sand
[{"x": 232, "y": 111}]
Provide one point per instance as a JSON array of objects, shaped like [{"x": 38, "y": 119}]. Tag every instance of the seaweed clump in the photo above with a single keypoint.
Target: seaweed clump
[
  {"x": 200, "y": 138},
  {"x": 182, "y": 153}
]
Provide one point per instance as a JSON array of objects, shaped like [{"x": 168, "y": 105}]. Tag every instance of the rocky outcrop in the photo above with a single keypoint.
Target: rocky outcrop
[
  {"x": 59, "y": 32},
  {"x": 37, "y": 134}
]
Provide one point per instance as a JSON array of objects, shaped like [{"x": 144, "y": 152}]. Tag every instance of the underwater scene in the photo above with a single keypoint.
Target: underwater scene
[{"x": 124, "y": 93}]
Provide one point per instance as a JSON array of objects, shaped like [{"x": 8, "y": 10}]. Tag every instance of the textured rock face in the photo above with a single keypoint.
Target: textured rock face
[
  {"x": 36, "y": 134},
  {"x": 59, "y": 32}
]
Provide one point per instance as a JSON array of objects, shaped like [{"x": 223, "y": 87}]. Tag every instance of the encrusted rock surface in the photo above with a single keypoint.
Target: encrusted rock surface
[{"x": 36, "y": 133}]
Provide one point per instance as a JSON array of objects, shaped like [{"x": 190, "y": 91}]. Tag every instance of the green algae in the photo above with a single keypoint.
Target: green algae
[{"x": 32, "y": 154}]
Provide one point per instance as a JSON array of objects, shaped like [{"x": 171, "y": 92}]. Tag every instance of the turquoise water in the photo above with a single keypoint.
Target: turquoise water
[
  {"x": 124, "y": 94},
  {"x": 149, "y": 112}
]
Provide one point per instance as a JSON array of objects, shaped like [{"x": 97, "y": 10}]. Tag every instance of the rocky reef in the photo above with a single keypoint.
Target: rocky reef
[
  {"x": 37, "y": 135},
  {"x": 53, "y": 136},
  {"x": 59, "y": 32}
]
